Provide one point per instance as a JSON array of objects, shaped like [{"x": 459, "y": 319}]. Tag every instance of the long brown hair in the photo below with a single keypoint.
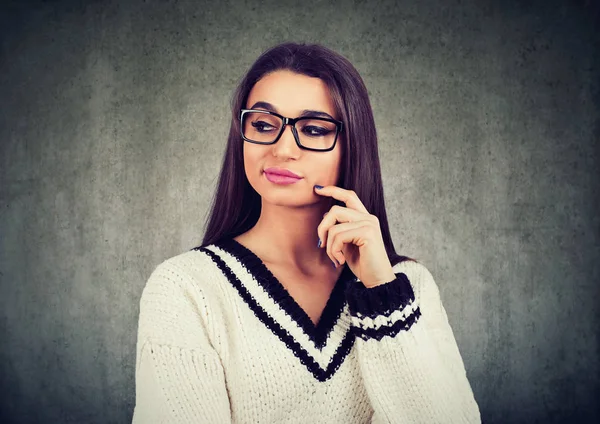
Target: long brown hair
[{"x": 236, "y": 205}]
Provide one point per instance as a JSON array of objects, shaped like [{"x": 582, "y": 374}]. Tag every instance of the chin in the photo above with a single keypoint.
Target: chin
[{"x": 283, "y": 199}]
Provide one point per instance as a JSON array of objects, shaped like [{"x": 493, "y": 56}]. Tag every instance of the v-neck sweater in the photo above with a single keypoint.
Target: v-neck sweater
[{"x": 221, "y": 340}]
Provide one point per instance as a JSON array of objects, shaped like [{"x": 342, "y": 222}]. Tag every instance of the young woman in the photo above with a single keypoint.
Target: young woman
[{"x": 296, "y": 308}]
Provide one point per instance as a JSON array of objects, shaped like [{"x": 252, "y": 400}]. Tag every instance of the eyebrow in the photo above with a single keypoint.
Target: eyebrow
[{"x": 305, "y": 112}]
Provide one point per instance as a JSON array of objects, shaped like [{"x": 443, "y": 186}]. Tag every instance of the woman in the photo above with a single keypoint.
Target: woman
[{"x": 296, "y": 307}]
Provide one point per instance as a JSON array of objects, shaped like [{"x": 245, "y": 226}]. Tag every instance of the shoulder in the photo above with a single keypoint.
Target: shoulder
[
  {"x": 189, "y": 280},
  {"x": 191, "y": 270},
  {"x": 421, "y": 280},
  {"x": 414, "y": 268},
  {"x": 177, "y": 298}
]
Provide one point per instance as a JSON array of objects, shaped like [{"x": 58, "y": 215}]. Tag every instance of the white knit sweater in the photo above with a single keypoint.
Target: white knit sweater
[{"x": 220, "y": 340}]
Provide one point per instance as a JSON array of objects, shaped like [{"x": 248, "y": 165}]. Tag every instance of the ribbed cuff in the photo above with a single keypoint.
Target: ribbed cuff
[{"x": 381, "y": 299}]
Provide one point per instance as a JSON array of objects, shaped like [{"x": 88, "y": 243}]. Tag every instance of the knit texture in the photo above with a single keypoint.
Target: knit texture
[{"x": 220, "y": 340}]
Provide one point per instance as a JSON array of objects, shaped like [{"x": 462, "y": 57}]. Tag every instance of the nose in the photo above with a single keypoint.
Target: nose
[{"x": 286, "y": 145}]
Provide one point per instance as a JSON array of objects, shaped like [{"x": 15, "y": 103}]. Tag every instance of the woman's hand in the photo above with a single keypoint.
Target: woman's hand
[{"x": 352, "y": 235}]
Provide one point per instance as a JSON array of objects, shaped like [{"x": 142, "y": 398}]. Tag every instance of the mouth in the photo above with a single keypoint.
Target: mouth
[
  {"x": 281, "y": 177},
  {"x": 282, "y": 172}
]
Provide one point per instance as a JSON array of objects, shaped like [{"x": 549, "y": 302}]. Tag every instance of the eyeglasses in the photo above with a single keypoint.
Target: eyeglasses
[{"x": 311, "y": 133}]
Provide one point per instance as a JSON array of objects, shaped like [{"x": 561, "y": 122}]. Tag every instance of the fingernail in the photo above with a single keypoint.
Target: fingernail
[
  {"x": 334, "y": 264},
  {"x": 318, "y": 187},
  {"x": 319, "y": 245}
]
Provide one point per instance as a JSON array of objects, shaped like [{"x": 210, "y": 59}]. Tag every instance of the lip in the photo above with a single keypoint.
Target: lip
[
  {"x": 281, "y": 179},
  {"x": 282, "y": 172}
]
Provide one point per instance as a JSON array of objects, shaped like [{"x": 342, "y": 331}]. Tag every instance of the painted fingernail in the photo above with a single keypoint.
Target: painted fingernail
[
  {"x": 319, "y": 245},
  {"x": 318, "y": 187}
]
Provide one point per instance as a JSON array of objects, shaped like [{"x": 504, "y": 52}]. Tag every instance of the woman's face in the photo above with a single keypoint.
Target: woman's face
[{"x": 289, "y": 94}]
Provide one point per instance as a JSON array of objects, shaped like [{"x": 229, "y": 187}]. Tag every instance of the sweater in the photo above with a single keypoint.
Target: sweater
[{"x": 220, "y": 340}]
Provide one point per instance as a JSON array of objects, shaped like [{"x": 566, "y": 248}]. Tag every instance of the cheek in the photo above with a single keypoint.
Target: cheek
[
  {"x": 327, "y": 170},
  {"x": 335, "y": 161},
  {"x": 253, "y": 162},
  {"x": 250, "y": 159}
]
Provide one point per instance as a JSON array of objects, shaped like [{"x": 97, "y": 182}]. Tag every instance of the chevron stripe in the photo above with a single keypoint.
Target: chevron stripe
[
  {"x": 324, "y": 347},
  {"x": 321, "y": 356}
]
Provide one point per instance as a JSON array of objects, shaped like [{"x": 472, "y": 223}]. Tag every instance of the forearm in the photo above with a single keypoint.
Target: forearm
[{"x": 409, "y": 361}]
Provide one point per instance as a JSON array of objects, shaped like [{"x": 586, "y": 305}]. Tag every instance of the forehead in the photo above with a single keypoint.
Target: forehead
[{"x": 290, "y": 93}]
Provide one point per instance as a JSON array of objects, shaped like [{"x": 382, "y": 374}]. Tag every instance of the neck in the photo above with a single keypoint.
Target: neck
[{"x": 288, "y": 235}]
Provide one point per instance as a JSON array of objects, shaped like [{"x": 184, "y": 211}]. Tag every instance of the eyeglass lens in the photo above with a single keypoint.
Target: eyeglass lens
[{"x": 313, "y": 133}]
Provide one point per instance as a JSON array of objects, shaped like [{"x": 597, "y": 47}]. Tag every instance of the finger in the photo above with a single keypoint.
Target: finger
[
  {"x": 319, "y": 232},
  {"x": 348, "y": 233},
  {"x": 338, "y": 214},
  {"x": 349, "y": 197}
]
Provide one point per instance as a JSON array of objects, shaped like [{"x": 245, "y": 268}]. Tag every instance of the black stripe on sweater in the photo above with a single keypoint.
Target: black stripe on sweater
[
  {"x": 391, "y": 331},
  {"x": 304, "y": 357},
  {"x": 379, "y": 300}
]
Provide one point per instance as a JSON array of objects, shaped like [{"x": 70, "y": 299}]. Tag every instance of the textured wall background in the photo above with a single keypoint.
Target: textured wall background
[{"x": 113, "y": 122}]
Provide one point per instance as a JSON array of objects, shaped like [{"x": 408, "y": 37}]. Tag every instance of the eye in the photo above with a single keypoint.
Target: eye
[
  {"x": 315, "y": 131},
  {"x": 262, "y": 126}
]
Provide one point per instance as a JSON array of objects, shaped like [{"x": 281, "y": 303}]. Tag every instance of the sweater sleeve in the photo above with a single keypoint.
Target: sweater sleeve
[
  {"x": 409, "y": 360},
  {"x": 179, "y": 377}
]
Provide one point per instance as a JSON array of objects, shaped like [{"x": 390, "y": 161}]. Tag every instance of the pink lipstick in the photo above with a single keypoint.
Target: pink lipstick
[{"x": 281, "y": 176}]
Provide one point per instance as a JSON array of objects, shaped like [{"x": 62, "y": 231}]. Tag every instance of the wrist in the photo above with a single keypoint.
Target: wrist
[{"x": 387, "y": 278}]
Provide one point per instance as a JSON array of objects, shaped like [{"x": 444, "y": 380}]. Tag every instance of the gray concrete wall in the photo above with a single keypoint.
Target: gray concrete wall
[{"x": 113, "y": 121}]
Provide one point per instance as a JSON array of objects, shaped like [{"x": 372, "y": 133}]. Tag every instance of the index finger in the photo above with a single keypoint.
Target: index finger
[{"x": 349, "y": 197}]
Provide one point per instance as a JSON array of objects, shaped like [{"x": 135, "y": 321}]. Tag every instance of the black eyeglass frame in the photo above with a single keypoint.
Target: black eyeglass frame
[{"x": 339, "y": 127}]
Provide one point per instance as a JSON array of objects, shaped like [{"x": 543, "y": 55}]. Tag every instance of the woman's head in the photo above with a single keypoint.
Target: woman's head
[
  {"x": 291, "y": 95},
  {"x": 338, "y": 87}
]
